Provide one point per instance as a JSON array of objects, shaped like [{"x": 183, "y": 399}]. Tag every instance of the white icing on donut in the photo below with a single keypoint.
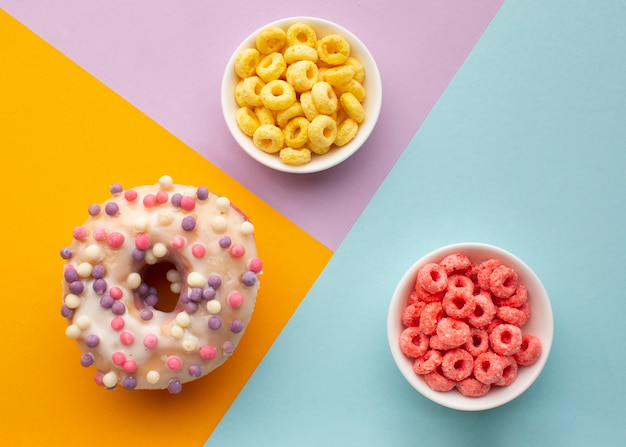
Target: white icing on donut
[{"x": 111, "y": 310}]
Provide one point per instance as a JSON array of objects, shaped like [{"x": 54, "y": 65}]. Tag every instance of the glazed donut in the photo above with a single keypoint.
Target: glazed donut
[{"x": 208, "y": 249}]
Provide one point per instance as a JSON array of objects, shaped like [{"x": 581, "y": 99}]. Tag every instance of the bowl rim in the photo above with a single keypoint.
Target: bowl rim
[
  {"x": 373, "y": 102},
  {"x": 497, "y": 396}
]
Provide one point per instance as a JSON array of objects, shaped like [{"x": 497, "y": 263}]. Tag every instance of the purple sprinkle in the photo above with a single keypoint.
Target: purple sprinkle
[
  {"x": 76, "y": 287},
  {"x": 195, "y": 370},
  {"x": 215, "y": 323},
  {"x": 106, "y": 301},
  {"x": 100, "y": 286},
  {"x": 189, "y": 223},
  {"x": 66, "y": 311},
  {"x": 151, "y": 300},
  {"x": 94, "y": 209},
  {"x": 92, "y": 340},
  {"x": 248, "y": 278},
  {"x": 98, "y": 271},
  {"x": 196, "y": 294},
  {"x": 66, "y": 253},
  {"x": 146, "y": 315},
  {"x": 116, "y": 188},
  {"x": 208, "y": 293},
  {"x": 225, "y": 241},
  {"x": 142, "y": 290},
  {"x": 70, "y": 275},
  {"x": 118, "y": 308},
  {"x": 191, "y": 307},
  {"x": 176, "y": 199},
  {"x": 129, "y": 382},
  {"x": 202, "y": 193},
  {"x": 214, "y": 281},
  {"x": 138, "y": 254},
  {"x": 236, "y": 326},
  {"x": 111, "y": 208},
  {"x": 228, "y": 347},
  {"x": 174, "y": 387},
  {"x": 86, "y": 360}
]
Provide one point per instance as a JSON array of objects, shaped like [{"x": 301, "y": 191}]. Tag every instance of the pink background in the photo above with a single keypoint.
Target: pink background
[{"x": 167, "y": 58}]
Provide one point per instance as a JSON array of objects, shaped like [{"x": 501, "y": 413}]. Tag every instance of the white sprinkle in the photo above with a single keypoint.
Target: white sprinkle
[
  {"x": 177, "y": 332},
  {"x": 222, "y": 204},
  {"x": 189, "y": 344},
  {"x": 134, "y": 280},
  {"x": 150, "y": 259},
  {"x": 247, "y": 228},
  {"x": 84, "y": 269},
  {"x": 183, "y": 319},
  {"x": 166, "y": 182},
  {"x": 159, "y": 250},
  {"x": 173, "y": 275},
  {"x": 165, "y": 218},
  {"x": 140, "y": 224},
  {"x": 213, "y": 307},
  {"x": 195, "y": 279},
  {"x": 93, "y": 253},
  {"x": 219, "y": 224},
  {"x": 72, "y": 301},
  {"x": 72, "y": 331},
  {"x": 176, "y": 287},
  {"x": 152, "y": 377},
  {"x": 83, "y": 322},
  {"x": 110, "y": 379}
]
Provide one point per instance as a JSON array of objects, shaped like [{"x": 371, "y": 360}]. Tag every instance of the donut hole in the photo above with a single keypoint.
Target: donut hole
[{"x": 156, "y": 276}]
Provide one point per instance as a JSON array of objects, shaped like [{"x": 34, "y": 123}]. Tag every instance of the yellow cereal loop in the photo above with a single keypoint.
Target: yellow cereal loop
[
  {"x": 301, "y": 34},
  {"x": 339, "y": 75},
  {"x": 322, "y": 131},
  {"x": 359, "y": 69},
  {"x": 324, "y": 97},
  {"x": 239, "y": 96},
  {"x": 295, "y": 157},
  {"x": 319, "y": 150},
  {"x": 296, "y": 53},
  {"x": 296, "y": 132},
  {"x": 308, "y": 106},
  {"x": 246, "y": 62},
  {"x": 278, "y": 95},
  {"x": 247, "y": 120},
  {"x": 264, "y": 115},
  {"x": 302, "y": 75},
  {"x": 354, "y": 87},
  {"x": 346, "y": 132},
  {"x": 284, "y": 116},
  {"x": 251, "y": 91},
  {"x": 333, "y": 49},
  {"x": 271, "y": 67},
  {"x": 271, "y": 40},
  {"x": 268, "y": 138},
  {"x": 353, "y": 107}
]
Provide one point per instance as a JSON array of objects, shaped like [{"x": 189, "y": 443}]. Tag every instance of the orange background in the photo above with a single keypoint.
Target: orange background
[{"x": 64, "y": 138}]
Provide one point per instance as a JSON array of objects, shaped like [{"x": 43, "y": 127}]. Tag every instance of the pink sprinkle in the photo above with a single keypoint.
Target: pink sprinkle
[
  {"x": 178, "y": 242},
  {"x": 198, "y": 250},
  {"x": 127, "y": 338},
  {"x": 130, "y": 195},
  {"x": 255, "y": 265},
  {"x": 117, "y": 323},
  {"x": 142, "y": 241},
  {"x": 207, "y": 352},
  {"x": 174, "y": 363},
  {"x": 100, "y": 234},
  {"x": 188, "y": 203},
  {"x": 116, "y": 240},
  {"x": 162, "y": 197},
  {"x": 80, "y": 233},
  {"x": 235, "y": 300},
  {"x": 98, "y": 378},
  {"x": 116, "y": 293},
  {"x": 149, "y": 200},
  {"x": 129, "y": 366},
  {"x": 237, "y": 251},
  {"x": 118, "y": 358},
  {"x": 150, "y": 341}
]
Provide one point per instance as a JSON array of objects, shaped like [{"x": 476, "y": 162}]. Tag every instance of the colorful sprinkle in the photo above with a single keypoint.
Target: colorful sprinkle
[
  {"x": 176, "y": 200},
  {"x": 215, "y": 323},
  {"x": 166, "y": 182},
  {"x": 111, "y": 208},
  {"x": 72, "y": 331},
  {"x": 174, "y": 363},
  {"x": 116, "y": 188},
  {"x": 129, "y": 366},
  {"x": 255, "y": 265},
  {"x": 76, "y": 287},
  {"x": 188, "y": 203},
  {"x": 162, "y": 197},
  {"x": 118, "y": 308},
  {"x": 127, "y": 338},
  {"x": 196, "y": 279},
  {"x": 117, "y": 323},
  {"x": 83, "y": 322},
  {"x": 84, "y": 269},
  {"x": 130, "y": 195},
  {"x": 116, "y": 293},
  {"x": 72, "y": 301},
  {"x": 225, "y": 241},
  {"x": 79, "y": 233},
  {"x": 183, "y": 319},
  {"x": 149, "y": 200},
  {"x": 142, "y": 241},
  {"x": 98, "y": 271},
  {"x": 237, "y": 251},
  {"x": 94, "y": 253},
  {"x": 118, "y": 358},
  {"x": 100, "y": 234},
  {"x": 106, "y": 301},
  {"x": 99, "y": 286},
  {"x": 150, "y": 341},
  {"x": 92, "y": 340},
  {"x": 70, "y": 274},
  {"x": 222, "y": 204},
  {"x": 94, "y": 209},
  {"x": 207, "y": 352},
  {"x": 66, "y": 253},
  {"x": 159, "y": 250},
  {"x": 188, "y": 223},
  {"x": 129, "y": 382},
  {"x": 115, "y": 240},
  {"x": 236, "y": 326},
  {"x": 86, "y": 360},
  {"x": 247, "y": 228},
  {"x": 195, "y": 371},
  {"x": 228, "y": 347},
  {"x": 213, "y": 307},
  {"x": 202, "y": 193},
  {"x": 219, "y": 224},
  {"x": 174, "y": 387},
  {"x": 235, "y": 300},
  {"x": 198, "y": 250},
  {"x": 249, "y": 278},
  {"x": 146, "y": 315}
]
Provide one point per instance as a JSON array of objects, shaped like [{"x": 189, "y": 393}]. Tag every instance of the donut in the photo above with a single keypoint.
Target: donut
[{"x": 190, "y": 239}]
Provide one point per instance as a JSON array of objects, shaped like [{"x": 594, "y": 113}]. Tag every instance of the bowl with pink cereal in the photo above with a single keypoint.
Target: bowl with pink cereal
[
  {"x": 470, "y": 326},
  {"x": 301, "y": 94}
]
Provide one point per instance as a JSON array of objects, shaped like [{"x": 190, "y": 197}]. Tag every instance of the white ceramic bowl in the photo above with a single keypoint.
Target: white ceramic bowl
[
  {"x": 372, "y": 103},
  {"x": 540, "y": 324}
]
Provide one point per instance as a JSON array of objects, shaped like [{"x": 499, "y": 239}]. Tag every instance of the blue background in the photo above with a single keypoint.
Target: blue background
[{"x": 526, "y": 149}]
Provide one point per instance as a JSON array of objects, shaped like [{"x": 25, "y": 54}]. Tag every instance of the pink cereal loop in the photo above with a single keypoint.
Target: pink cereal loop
[
  {"x": 478, "y": 342},
  {"x": 484, "y": 310},
  {"x": 437, "y": 381},
  {"x": 457, "y": 364},
  {"x": 453, "y": 332},
  {"x": 509, "y": 372},
  {"x": 428, "y": 362},
  {"x": 483, "y": 272},
  {"x": 458, "y": 303},
  {"x": 411, "y": 314},
  {"x": 430, "y": 316},
  {"x": 488, "y": 367},
  {"x": 530, "y": 350},
  {"x": 432, "y": 277},
  {"x": 503, "y": 281},
  {"x": 512, "y": 315},
  {"x": 456, "y": 262},
  {"x": 472, "y": 388},
  {"x": 413, "y": 343},
  {"x": 506, "y": 339}
]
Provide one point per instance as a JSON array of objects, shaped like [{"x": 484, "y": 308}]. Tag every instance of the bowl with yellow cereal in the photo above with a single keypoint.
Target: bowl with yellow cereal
[{"x": 301, "y": 94}]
